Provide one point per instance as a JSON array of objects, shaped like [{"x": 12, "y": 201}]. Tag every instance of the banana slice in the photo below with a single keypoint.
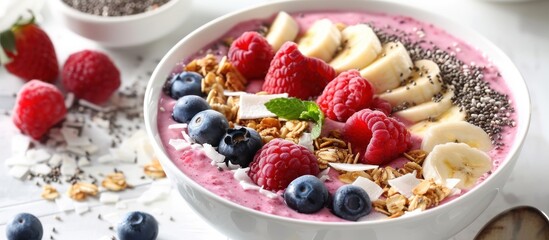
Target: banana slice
[
  {"x": 361, "y": 47},
  {"x": 451, "y": 115},
  {"x": 459, "y": 132},
  {"x": 427, "y": 110},
  {"x": 390, "y": 69},
  {"x": 284, "y": 28},
  {"x": 425, "y": 84},
  {"x": 456, "y": 160},
  {"x": 321, "y": 40}
]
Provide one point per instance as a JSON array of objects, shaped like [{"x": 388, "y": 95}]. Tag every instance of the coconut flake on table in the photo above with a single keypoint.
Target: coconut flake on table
[
  {"x": 81, "y": 207},
  {"x": 19, "y": 172},
  {"x": 19, "y": 144},
  {"x": 68, "y": 166},
  {"x": 348, "y": 167},
  {"x": 64, "y": 204},
  {"x": 252, "y": 106},
  {"x": 157, "y": 191},
  {"x": 18, "y": 160},
  {"x": 374, "y": 191},
  {"x": 37, "y": 155},
  {"x": 108, "y": 197},
  {"x": 56, "y": 159},
  {"x": 405, "y": 183},
  {"x": 42, "y": 169}
]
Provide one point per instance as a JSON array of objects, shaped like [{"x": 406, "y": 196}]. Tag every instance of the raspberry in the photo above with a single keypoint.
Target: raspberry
[
  {"x": 381, "y": 105},
  {"x": 376, "y": 137},
  {"x": 91, "y": 75},
  {"x": 279, "y": 162},
  {"x": 346, "y": 94},
  {"x": 251, "y": 54},
  {"x": 293, "y": 73},
  {"x": 38, "y": 107}
]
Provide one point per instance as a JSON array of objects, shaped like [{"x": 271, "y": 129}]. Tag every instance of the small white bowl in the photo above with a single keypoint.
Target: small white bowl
[
  {"x": 125, "y": 31},
  {"x": 239, "y": 222}
]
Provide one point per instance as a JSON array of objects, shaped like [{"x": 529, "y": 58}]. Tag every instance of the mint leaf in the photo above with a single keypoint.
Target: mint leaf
[
  {"x": 287, "y": 108},
  {"x": 296, "y": 109}
]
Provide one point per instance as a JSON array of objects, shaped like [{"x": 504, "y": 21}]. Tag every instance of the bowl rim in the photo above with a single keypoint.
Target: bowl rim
[
  {"x": 508, "y": 162},
  {"x": 113, "y": 19}
]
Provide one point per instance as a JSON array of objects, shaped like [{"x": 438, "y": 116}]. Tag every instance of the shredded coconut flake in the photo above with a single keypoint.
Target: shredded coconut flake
[
  {"x": 348, "y": 167},
  {"x": 405, "y": 183},
  {"x": 374, "y": 191}
]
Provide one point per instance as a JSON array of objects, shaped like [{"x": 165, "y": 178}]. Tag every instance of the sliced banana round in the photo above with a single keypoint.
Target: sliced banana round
[
  {"x": 456, "y": 132},
  {"x": 453, "y": 114},
  {"x": 427, "y": 110},
  {"x": 456, "y": 160},
  {"x": 360, "y": 48},
  {"x": 321, "y": 40},
  {"x": 284, "y": 28},
  {"x": 425, "y": 84},
  {"x": 392, "y": 66}
]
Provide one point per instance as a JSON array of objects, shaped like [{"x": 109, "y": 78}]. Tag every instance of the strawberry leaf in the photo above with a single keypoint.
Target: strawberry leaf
[{"x": 7, "y": 40}]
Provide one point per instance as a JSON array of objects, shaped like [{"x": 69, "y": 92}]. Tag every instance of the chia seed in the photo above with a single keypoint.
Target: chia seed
[{"x": 115, "y": 8}]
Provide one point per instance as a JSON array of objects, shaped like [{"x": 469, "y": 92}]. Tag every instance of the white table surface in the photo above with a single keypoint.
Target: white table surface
[{"x": 519, "y": 29}]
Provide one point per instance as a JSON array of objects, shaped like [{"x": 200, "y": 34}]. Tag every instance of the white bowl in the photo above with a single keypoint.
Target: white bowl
[
  {"x": 125, "y": 31},
  {"x": 239, "y": 222}
]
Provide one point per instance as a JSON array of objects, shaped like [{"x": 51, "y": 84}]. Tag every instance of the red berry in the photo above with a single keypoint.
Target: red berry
[
  {"x": 346, "y": 94},
  {"x": 279, "y": 162},
  {"x": 251, "y": 54},
  {"x": 293, "y": 73},
  {"x": 38, "y": 107},
  {"x": 381, "y": 105},
  {"x": 91, "y": 75},
  {"x": 33, "y": 56},
  {"x": 378, "y": 138}
]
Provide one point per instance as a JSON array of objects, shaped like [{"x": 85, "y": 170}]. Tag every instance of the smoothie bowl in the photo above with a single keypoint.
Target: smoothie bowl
[{"x": 335, "y": 120}]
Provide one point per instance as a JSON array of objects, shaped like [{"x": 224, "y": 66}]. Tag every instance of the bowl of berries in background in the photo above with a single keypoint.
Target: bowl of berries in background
[
  {"x": 337, "y": 120},
  {"x": 122, "y": 23}
]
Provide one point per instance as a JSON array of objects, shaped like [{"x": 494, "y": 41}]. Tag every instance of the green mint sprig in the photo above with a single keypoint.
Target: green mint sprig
[{"x": 296, "y": 109}]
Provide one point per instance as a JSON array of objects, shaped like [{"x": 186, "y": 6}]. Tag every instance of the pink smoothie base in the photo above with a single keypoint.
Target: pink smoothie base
[{"x": 196, "y": 164}]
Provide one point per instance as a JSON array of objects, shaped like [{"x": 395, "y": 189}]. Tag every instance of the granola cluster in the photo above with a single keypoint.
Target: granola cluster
[
  {"x": 218, "y": 77},
  {"x": 81, "y": 190},
  {"x": 270, "y": 128},
  {"x": 115, "y": 182},
  {"x": 425, "y": 195},
  {"x": 332, "y": 149}
]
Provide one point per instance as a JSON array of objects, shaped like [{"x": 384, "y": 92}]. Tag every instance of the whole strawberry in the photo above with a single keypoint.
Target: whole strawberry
[
  {"x": 90, "y": 75},
  {"x": 346, "y": 94},
  {"x": 251, "y": 54},
  {"x": 30, "y": 51},
  {"x": 378, "y": 138},
  {"x": 293, "y": 73},
  {"x": 279, "y": 162},
  {"x": 39, "y": 106}
]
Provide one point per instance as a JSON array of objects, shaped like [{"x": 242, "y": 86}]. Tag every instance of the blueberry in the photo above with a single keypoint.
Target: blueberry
[
  {"x": 306, "y": 194},
  {"x": 239, "y": 145},
  {"x": 24, "y": 226},
  {"x": 183, "y": 84},
  {"x": 187, "y": 106},
  {"x": 137, "y": 226},
  {"x": 351, "y": 202},
  {"x": 208, "y": 126}
]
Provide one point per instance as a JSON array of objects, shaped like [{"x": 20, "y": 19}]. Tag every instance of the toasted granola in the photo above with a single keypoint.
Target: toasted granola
[
  {"x": 222, "y": 72},
  {"x": 153, "y": 169},
  {"x": 81, "y": 190},
  {"x": 49, "y": 192},
  {"x": 115, "y": 182}
]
